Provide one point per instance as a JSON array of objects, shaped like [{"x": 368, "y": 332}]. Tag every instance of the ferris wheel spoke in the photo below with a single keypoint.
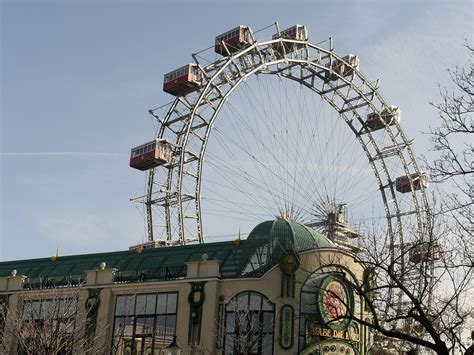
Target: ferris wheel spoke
[
  {"x": 229, "y": 183},
  {"x": 261, "y": 164},
  {"x": 297, "y": 152},
  {"x": 259, "y": 199},
  {"x": 261, "y": 145}
]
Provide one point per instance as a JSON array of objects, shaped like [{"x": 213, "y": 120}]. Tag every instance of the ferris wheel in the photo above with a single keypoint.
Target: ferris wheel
[
  {"x": 280, "y": 127},
  {"x": 301, "y": 133}
]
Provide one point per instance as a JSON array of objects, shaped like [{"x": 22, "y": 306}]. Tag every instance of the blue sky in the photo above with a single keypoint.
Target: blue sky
[{"x": 77, "y": 79}]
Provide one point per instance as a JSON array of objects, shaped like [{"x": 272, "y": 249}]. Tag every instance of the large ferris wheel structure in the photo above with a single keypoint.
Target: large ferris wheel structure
[
  {"x": 190, "y": 118},
  {"x": 269, "y": 138}
]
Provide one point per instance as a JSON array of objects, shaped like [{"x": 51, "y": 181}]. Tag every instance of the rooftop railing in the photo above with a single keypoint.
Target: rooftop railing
[
  {"x": 38, "y": 283},
  {"x": 166, "y": 273}
]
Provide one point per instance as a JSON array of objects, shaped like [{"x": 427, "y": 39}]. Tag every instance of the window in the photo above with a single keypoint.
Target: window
[
  {"x": 144, "y": 323},
  {"x": 165, "y": 149},
  {"x": 249, "y": 324},
  {"x": 52, "y": 319},
  {"x": 3, "y": 312}
]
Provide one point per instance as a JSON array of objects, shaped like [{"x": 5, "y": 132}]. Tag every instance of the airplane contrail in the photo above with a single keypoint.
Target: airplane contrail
[{"x": 102, "y": 154}]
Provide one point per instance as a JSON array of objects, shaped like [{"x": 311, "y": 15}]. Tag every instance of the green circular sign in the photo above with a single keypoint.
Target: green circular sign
[{"x": 334, "y": 302}]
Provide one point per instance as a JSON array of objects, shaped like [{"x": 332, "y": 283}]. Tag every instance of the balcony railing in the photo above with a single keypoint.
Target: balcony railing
[
  {"x": 162, "y": 274},
  {"x": 38, "y": 283}
]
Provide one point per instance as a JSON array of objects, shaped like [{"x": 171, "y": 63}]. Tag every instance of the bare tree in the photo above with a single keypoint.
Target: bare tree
[
  {"x": 415, "y": 298},
  {"x": 452, "y": 140},
  {"x": 246, "y": 326},
  {"x": 44, "y": 323},
  {"x": 452, "y": 143},
  {"x": 3, "y": 314},
  {"x": 419, "y": 299}
]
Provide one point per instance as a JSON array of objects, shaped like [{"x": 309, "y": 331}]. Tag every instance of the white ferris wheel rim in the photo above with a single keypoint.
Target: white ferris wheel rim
[{"x": 186, "y": 121}]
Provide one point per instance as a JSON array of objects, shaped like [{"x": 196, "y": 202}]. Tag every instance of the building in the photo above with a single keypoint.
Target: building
[{"x": 277, "y": 292}]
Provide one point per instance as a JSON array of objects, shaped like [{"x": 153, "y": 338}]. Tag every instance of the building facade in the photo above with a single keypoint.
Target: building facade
[{"x": 282, "y": 290}]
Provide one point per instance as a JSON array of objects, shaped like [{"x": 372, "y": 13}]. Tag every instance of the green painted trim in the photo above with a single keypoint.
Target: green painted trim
[
  {"x": 196, "y": 287},
  {"x": 292, "y": 326}
]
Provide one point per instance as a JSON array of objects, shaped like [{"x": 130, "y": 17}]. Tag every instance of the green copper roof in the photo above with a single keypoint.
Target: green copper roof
[
  {"x": 251, "y": 257},
  {"x": 152, "y": 264},
  {"x": 290, "y": 235},
  {"x": 269, "y": 240}
]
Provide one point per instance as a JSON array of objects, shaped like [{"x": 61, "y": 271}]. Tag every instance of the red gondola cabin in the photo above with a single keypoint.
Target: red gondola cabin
[
  {"x": 182, "y": 81},
  {"x": 150, "y": 155},
  {"x": 387, "y": 117},
  {"x": 425, "y": 252},
  {"x": 296, "y": 32},
  {"x": 402, "y": 183},
  {"x": 343, "y": 67},
  {"x": 234, "y": 40}
]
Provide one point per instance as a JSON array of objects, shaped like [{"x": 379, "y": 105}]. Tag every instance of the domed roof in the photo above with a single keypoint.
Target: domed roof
[
  {"x": 289, "y": 234},
  {"x": 270, "y": 240}
]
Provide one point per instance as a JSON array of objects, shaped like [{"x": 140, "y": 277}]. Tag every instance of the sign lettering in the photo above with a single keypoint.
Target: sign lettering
[{"x": 332, "y": 333}]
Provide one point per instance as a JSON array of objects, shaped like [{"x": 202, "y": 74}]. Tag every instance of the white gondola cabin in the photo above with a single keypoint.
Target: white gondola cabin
[
  {"x": 425, "y": 252},
  {"x": 402, "y": 183},
  {"x": 150, "y": 155},
  {"x": 387, "y": 117},
  {"x": 296, "y": 32},
  {"x": 234, "y": 40},
  {"x": 149, "y": 245},
  {"x": 182, "y": 81},
  {"x": 343, "y": 67}
]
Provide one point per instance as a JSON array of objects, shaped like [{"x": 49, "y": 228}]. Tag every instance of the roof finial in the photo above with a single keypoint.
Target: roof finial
[
  {"x": 55, "y": 257},
  {"x": 237, "y": 241}
]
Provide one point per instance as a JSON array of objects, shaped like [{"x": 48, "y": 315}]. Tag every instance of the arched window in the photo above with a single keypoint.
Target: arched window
[
  {"x": 249, "y": 324},
  {"x": 325, "y": 300}
]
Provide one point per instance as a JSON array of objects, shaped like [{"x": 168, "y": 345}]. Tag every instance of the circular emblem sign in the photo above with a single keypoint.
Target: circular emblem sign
[
  {"x": 334, "y": 301},
  {"x": 289, "y": 263}
]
